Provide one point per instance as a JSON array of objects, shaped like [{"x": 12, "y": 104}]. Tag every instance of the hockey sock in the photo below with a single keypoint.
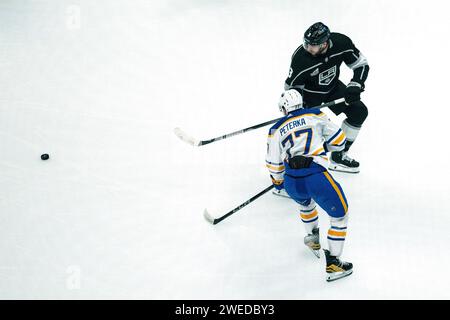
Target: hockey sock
[
  {"x": 348, "y": 144},
  {"x": 336, "y": 235},
  {"x": 309, "y": 216}
]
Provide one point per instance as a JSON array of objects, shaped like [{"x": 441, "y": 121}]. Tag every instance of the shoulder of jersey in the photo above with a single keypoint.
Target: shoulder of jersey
[
  {"x": 312, "y": 112},
  {"x": 301, "y": 59},
  {"x": 340, "y": 40},
  {"x": 299, "y": 51},
  {"x": 278, "y": 124}
]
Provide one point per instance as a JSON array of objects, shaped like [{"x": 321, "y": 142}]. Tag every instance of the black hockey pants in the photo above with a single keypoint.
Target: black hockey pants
[{"x": 356, "y": 112}]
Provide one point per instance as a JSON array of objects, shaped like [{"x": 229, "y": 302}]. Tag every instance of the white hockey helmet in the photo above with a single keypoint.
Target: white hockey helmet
[{"x": 290, "y": 100}]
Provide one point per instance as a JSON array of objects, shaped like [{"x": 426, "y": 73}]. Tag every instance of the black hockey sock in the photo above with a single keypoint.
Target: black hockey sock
[{"x": 348, "y": 144}]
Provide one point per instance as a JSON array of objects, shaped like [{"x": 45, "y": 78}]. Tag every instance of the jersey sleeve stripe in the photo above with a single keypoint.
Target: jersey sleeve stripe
[
  {"x": 342, "y": 52},
  {"x": 316, "y": 65},
  {"x": 318, "y": 151},
  {"x": 276, "y": 168},
  {"x": 360, "y": 61},
  {"x": 339, "y": 139},
  {"x": 275, "y": 164},
  {"x": 339, "y": 145},
  {"x": 334, "y": 136}
]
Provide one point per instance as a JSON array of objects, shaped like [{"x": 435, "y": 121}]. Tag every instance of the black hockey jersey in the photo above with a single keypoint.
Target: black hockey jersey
[{"x": 320, "y": 74}]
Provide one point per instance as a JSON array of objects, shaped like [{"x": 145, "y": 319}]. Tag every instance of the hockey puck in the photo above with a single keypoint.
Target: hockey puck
[{"x": 45, "y": 156}]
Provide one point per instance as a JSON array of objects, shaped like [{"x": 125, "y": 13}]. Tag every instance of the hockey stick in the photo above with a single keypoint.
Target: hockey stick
[
  {"x": 211, "y": 220},
  {"x": 187, "y": 138},
  {"x": 194, "y": 142}
]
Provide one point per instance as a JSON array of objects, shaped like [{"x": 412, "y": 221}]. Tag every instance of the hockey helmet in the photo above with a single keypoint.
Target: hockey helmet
[
  {"x": 290, "y": 100},
  {"x": 316, "y": 34}
]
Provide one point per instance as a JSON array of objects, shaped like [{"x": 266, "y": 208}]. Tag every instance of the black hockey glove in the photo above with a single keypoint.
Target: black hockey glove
[
  {"x": 300, "y": 162},
  {"x": 353, "y": 92}
]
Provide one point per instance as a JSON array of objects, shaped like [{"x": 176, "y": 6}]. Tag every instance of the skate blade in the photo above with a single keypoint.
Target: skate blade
[
  {"x": 338, "y": 275},
  {"x": 339, "y": 168},
  {"x": 284, "y": 195},
  {"x": 315, "y": 252}
]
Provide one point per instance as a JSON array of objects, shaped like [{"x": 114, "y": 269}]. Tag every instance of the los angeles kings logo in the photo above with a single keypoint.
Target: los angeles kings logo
[{"x": 327, "y": 76}]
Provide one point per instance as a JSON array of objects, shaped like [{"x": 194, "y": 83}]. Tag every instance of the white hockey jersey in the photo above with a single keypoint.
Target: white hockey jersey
[{"x": 307, "y": 132}]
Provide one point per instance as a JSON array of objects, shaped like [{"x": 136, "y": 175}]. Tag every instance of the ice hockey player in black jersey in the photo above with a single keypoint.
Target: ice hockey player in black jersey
[{"x": 314, "y": 72}]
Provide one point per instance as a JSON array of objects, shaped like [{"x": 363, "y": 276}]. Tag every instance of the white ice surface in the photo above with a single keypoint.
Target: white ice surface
[{"x": 117, "y": 210}]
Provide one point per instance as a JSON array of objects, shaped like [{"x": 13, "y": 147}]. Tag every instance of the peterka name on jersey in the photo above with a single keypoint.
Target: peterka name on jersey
[{"x": 292, "y": 125}]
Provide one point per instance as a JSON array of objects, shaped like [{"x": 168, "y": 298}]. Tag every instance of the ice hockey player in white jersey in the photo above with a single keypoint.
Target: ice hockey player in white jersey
[{"x": 296, "y": 158}]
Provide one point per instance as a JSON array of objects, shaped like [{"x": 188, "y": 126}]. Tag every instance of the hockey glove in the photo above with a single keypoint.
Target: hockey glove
[
  {"x": 300, "y": 162},
  {"x": 278, "y": 184},
  {"x": 353, "y": 92}
]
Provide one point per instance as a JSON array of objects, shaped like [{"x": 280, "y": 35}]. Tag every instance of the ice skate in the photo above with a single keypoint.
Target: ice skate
[
  {"x": 281, "y": 193},
  {"x": 312, "y": 241},
  {"x": 340, "y": 161},
  {"x": 337, "y": 269}
]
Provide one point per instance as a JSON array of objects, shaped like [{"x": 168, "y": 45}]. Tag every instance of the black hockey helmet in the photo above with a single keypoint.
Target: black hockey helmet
[{"x": 317, "y": 34}]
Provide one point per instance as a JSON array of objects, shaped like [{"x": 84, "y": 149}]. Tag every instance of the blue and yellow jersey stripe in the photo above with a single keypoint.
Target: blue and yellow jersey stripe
[
  {"x": 276, "y": 169},
  {"x": 318, "y": 152},
  {"x": 334, "y": 136},
  {"x": 338, "y": 191},
  {"x": 337, "y": 139}
]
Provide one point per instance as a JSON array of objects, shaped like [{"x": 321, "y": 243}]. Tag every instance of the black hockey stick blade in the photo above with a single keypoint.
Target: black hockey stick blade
[{"x": 212, "y": 220}]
